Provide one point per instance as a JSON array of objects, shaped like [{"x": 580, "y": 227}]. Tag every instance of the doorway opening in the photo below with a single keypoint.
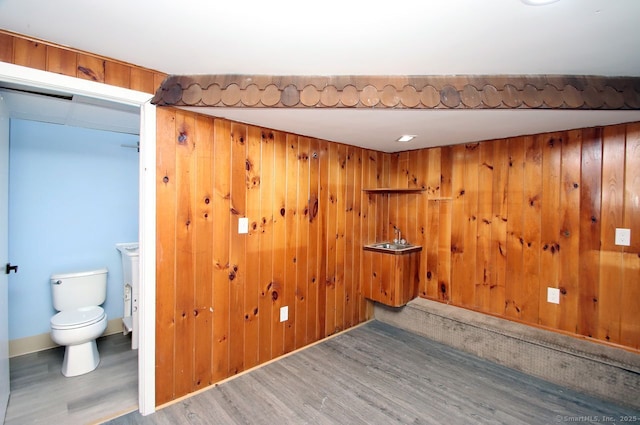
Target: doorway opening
[{"x": 45, "y": 81}]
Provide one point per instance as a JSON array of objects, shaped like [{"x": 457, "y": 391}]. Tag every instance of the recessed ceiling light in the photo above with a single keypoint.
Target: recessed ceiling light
[
  {"x": 538, "y": 2},
  {"x": 406, "y": 138}
]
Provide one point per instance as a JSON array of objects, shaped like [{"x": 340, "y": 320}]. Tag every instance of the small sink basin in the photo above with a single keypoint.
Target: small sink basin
[{"x": 392, "y": 247}]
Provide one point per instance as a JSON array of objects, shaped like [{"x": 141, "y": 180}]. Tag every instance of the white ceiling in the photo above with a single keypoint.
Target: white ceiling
[{"x": 337, "y": 37}]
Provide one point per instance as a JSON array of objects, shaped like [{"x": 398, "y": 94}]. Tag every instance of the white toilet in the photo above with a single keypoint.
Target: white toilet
[{"x": 77, "y": 297}]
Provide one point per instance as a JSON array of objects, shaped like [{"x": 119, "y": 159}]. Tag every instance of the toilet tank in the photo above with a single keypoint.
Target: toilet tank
[{"x": 79, "y": 289}]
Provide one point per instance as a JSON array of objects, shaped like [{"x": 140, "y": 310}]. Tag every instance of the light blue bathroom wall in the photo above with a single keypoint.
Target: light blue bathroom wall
[{"x": 73, "y": 194}]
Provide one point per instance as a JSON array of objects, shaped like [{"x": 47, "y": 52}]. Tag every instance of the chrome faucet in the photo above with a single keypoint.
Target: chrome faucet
[{"x": 398, "y": 233}]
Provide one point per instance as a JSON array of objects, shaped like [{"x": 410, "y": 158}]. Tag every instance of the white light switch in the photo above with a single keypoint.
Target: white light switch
[
  {"x": 284, "y": 313},
  {"x": 623, "y": 237},
  {"x": 553, "y": 295},
  {"x": 243, "y": 225}
]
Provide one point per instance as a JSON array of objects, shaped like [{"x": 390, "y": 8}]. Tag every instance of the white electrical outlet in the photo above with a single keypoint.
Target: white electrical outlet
[
  {"x": 553, "y": 295},
  {"x": 243, "y": 225},
  {"x": 284, "y": 313},
  {"x": 623, "y": 237}
]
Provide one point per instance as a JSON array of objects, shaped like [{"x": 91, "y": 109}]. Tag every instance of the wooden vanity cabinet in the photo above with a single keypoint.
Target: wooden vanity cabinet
[{"x": 390, "y": 279}]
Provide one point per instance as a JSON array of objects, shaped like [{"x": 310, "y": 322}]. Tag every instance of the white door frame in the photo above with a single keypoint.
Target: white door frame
[{"x": 16, "y": 74}]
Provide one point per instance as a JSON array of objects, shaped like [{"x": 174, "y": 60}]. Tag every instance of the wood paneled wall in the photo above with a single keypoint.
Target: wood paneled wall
[
  {"x": 501, "y": 221},
  {"x": 33, "y": 53},
  {"x": 219, "y": 293}
]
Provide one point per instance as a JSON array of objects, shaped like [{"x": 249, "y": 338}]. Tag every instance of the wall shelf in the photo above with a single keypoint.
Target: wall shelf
[{"x": 394, "y": 190}]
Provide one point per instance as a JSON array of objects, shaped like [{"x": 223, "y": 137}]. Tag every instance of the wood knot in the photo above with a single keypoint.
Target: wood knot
[
  {"x": 165, "y": 179},
  {"x": 282, "y": 211},
  {"x": 429, "y": 275},
  {"x": 207, "y": 200},
  {"x": 232, "y": 276},
  {"x": 274, "y": 295},
  {"x": 182, "y": 138}
]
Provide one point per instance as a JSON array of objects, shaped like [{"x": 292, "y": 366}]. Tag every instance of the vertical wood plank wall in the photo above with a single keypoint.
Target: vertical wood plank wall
[
  {"x": 33, "y": 53},
  {"x": 219, "y": 293},
  {"x": 501, "y": 221}
]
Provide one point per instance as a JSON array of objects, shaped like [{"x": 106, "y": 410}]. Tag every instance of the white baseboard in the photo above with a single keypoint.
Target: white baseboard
[{"x": 32, "y": 344}]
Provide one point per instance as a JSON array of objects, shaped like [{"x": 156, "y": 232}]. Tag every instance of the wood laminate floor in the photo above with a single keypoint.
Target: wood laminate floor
[
  {"x": 377, "y": 374},
  {"x": 40, "y": 394}
]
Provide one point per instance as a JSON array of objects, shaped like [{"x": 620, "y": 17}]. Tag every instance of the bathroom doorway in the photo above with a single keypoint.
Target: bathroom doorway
[{"x": 45, "y": 81}]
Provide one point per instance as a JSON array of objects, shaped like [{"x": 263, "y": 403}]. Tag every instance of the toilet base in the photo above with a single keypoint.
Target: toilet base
[{"x": 80, "y": 359}]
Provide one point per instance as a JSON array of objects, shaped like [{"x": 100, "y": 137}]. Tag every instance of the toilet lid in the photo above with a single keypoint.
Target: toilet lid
[{"x": 78, "y": 317}]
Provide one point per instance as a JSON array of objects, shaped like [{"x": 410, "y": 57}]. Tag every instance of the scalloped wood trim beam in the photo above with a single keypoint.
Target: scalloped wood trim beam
[{"x": 401, "y": 92}]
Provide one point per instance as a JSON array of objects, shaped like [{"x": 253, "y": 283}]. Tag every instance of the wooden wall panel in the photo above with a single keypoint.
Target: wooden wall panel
[
  {"x": 291, "y": 243},
  {"x": 302, "y": 264},
  {"x": 30, "y": 53},
  {"x": 630, "y": 313},
  {"x": 186, "y": 164},
  {"x": 253, "y": 248},
  {"x": 483, "y": 275},
  {"x": 63, "y": 61},
  {"x": 203, "y": 234},
  {"x": 569, "y": 233},
  {"x": 165, "y": 255},
  {"x": 220, "y": 241},
  {"x": 471, "y": 165},
  {"x": 590, "y": 228},
  {"x": 498, "y": 267},
  {"x": 549, "y": 275},
  {"x": 222, "y": 291},
  {"x": 265, "y": 255},
  {"x": 342, "y": 187},
  {"x": 314, "y": 253},
  {"x": 350, "y": 299},
  {"x": 458, "y": 266},
  {"x": 237, "y": 251},
  {"x": 323, "y": 238},
  {"x": 332, "y": 235},
  {"x": 531, "y": 227},
  {"x": 6, "y": 47},
  {"x": 516, "y": 216},
  {"x": 38, "y": 54},
  {"x": 515, "y": 290},
  {"x": 279, "y": 243},
  {"x": 611, "y": 257}
]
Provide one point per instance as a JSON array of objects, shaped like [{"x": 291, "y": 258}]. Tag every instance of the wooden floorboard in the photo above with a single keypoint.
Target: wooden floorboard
[
  {"x": 378, "y": 374},
  {"x": 40, "y": 394}
]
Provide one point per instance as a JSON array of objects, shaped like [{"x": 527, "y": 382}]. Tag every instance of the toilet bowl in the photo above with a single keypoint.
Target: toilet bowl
[
  {"x": 78, "y": 329},
  {"x": 80, "y": 319}
]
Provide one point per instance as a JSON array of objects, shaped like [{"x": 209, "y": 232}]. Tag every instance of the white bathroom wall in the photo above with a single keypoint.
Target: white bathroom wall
[{"x": 73, "y": 196}]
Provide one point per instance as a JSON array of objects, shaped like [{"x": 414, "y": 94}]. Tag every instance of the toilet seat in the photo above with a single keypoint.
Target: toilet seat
[{"x": 77, "y": 318}]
